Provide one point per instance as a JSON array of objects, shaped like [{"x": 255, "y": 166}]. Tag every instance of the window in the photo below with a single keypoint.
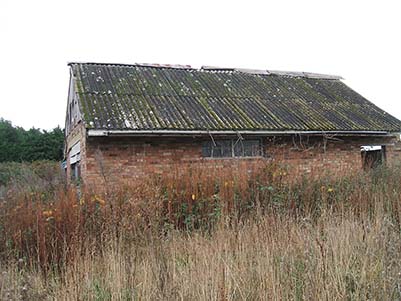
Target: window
[
  {"x": 75, "y": 171},
  {"x": 232, "y": 148},
  {"x": 75, "y": 158},
  {"x": 373, "y": 156}
]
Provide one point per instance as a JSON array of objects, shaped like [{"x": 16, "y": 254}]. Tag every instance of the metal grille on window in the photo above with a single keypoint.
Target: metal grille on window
[
  {"x": 247, "y": 148},
  {"x": 232, "y": 148}
]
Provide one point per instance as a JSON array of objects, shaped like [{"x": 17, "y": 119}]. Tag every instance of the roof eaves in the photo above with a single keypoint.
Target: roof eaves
[{"x": 102, "y": 133}]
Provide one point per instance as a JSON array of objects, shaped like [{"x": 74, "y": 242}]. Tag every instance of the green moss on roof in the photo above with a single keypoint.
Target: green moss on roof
[{"x": 140, "y": 97}]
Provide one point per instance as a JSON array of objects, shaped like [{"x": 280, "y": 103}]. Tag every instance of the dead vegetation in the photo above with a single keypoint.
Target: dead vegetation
[{"x": 197, "y": 235}]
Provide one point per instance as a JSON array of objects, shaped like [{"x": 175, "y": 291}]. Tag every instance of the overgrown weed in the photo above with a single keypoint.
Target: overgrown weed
[{"x": 207, "y": 235}]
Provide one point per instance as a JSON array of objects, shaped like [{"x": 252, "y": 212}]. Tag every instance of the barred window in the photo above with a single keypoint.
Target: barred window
[{"x": 232, "y": 148}]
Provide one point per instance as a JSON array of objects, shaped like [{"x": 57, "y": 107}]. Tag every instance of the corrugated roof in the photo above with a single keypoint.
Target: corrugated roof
[{"x": 172, "y": 97}]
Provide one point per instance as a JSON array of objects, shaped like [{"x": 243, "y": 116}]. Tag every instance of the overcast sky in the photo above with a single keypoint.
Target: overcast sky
[{"x": 359, "y": 40}]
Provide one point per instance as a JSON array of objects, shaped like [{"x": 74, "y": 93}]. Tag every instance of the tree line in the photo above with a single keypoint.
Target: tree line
[{"x": 20, "y": 145}]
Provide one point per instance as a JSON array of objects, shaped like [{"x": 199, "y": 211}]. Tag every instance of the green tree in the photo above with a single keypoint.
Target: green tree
[{"x": 17, "y": 144}]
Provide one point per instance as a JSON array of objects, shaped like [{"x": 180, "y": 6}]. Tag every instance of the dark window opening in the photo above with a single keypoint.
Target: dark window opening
[
  {"x": 75, "y": 158},
  {"x": 75, "y": 171},
  {"x": 232, "y": 148},
  {"x": 373, "y": 156}
]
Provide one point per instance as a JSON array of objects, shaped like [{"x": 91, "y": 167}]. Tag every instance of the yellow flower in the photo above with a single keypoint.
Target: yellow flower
[
  {"x": 98, "y": 200},
  {"x": 193, "y": 197},
  {"x": 330, "y": 189},
  {"x": 82, "y": 201},
  {"x": 47, "y": 213}
]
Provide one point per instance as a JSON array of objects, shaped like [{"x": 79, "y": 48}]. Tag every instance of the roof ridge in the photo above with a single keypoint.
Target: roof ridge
[
  {"x": 274, "y": 72},
  {"x": 220, "y": 69},
  {"x": 174, "y": 66}
]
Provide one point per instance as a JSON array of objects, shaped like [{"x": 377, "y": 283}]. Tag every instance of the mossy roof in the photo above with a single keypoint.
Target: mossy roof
[{"x": 141, "y": 97}]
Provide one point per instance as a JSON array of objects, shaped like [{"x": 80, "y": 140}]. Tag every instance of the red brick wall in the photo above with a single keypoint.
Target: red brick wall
[
  {"x": 127, "y": 159},
  {"x": 393, "y": 153}
]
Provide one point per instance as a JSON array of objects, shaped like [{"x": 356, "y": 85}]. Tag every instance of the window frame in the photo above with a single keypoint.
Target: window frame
[
  {"x": 76, "y": 171},
  {"x": 208, "y": 148},
  {"x": 74, "y": 156}
]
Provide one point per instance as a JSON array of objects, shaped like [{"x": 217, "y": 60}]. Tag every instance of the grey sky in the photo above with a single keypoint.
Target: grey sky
[{"x": 359, "y": 40}]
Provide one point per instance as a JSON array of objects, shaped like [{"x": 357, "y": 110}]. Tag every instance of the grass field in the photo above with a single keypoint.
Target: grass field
[{"x": 215, "y": 236}]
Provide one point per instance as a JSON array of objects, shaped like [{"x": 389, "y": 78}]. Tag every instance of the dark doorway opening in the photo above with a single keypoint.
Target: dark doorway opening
[{"x": 373, "y": 156}]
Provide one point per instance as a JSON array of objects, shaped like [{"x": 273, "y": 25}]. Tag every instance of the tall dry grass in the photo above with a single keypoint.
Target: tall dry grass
[{"x": 201, "y": 236}]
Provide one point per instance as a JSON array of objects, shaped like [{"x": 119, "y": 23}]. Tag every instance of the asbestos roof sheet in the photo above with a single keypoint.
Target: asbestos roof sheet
[{"x": 174, "y": 97}]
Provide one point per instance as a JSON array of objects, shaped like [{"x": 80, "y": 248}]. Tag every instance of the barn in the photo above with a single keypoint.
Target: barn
[{"x": 131, "y": 121}]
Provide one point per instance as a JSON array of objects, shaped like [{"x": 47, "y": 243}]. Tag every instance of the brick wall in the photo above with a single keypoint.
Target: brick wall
[
  {"x": 317, "y": 156},
  {"x": 128, "y": 159},
  {"x": 393, "y": 153}
]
